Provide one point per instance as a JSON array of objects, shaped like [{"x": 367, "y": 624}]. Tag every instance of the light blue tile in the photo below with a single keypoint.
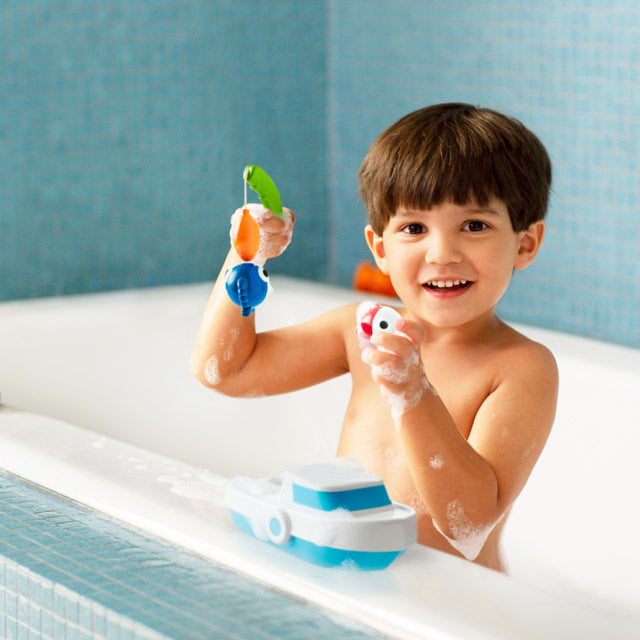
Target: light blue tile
[
  {"x": 113, "y": 630},
  {"x": 48, "y": 624},
  {"x": 150, "y": 597},
  {"x": 72, "y": 608},
  {"x": 11, "y": 577},
  {"x": 23, "y": 608},
  {"x": 11, "y": 600},
  {"x": 12, "y": 628},
  {"x": 35, "y": 615},
  {"x": 23, "y": 631},
  {"x": 59, "y": 628},
  {"x": 554, "y": 70},
  {"x": 127, "y": 160},
  {"x": 59, "y": 603},
  {"x": 98, "y": 619},
  {"x": 73, "y": 633}
]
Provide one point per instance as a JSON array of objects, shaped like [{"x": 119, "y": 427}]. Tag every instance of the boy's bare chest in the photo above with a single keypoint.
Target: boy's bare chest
[{"x": 368, "y": 429}]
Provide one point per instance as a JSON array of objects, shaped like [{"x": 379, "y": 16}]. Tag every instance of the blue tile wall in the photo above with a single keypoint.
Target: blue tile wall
[
  {"x": 570, "y": 71},
  {"x": 66, "y": 572},
  {"x": 124, "y": 128}
]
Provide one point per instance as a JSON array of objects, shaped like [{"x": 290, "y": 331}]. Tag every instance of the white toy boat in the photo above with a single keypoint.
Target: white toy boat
[{"x": 329, "y": 514}]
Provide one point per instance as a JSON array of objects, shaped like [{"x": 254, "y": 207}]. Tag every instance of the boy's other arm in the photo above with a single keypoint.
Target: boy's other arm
[
  {"x": 468, "y": 485},
  {"x": 512, "y": 425},
  {"x": 481, "y": 476}
]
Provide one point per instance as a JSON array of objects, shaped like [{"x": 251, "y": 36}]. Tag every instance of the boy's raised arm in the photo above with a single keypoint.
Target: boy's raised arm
[
  {"x": 225, "y": 339},
  {"x": 231, "y": 358}
]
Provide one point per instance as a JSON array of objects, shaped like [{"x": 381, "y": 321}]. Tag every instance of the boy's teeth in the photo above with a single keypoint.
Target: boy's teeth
[{"x": 443, "y": 284}]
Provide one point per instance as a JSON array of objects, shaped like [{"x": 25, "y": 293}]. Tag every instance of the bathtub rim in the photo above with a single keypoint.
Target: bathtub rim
[{"x": 65, "y": 459}]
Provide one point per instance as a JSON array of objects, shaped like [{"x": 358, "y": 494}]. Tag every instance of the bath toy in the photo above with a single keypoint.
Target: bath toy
[
  {"x": 246, "y": 239},
  {"x": 367, "y": 277},
  {"x": 260, "y": 181},
  {"x": 374, "y": 318},
  {"x": 330, "y": 514},
  {"x": 247, "y": 285}
]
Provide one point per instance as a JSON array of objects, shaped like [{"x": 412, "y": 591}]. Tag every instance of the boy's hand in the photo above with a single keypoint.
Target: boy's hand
[
  {"x": 396, "y": 365},
  {"x": 275, "y": 233}
]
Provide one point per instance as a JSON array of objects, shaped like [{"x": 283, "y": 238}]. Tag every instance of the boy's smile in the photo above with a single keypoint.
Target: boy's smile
[
  {"x": 447, "y": 288},
  {"x": 452, "y": 263}
]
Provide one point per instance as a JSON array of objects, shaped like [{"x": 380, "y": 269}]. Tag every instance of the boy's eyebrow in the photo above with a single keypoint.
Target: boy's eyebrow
[
  {"x": 467, "y": 210},
  {"x": 483, "y": 210}
]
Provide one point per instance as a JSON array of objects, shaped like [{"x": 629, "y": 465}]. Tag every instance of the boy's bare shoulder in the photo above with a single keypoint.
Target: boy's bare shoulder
[
  {"x": 520, "y": 354},
  {"x": 342, "y": 318}
]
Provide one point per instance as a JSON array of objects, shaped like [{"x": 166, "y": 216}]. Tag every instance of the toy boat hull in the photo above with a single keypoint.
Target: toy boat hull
[{"x": 327, "y": 556}]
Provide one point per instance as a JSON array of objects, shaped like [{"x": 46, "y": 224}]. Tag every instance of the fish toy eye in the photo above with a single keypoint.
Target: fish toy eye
[
  {"x": 262, "y": 273},
  {"x": 385, "y": 320}
]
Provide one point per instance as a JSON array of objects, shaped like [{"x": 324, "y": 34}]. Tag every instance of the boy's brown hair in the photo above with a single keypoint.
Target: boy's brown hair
[{"x": 456, "y": 152}]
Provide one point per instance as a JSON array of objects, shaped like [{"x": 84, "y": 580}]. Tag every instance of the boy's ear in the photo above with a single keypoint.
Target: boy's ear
[
  {"x": 376, "y": 245},
  {"x": 529, "y": 244}
]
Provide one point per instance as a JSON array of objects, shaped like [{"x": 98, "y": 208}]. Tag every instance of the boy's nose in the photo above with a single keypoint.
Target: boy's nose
[{"x": 442, "y": 250}]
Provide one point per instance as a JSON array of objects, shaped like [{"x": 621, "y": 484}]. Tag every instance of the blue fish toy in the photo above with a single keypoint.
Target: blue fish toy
[{"x": 247, "y": 285}]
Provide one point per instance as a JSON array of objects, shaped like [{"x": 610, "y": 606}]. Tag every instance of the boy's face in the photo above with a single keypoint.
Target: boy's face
[{"x": 452, "y": 263}]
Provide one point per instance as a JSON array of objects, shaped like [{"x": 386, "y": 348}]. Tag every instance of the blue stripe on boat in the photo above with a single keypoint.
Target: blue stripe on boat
[{"x": 351, "y": 499}]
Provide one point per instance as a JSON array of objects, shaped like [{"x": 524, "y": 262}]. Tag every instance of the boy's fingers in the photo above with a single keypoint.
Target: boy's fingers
[
  {"x": 273, "y": 224},
  {"x": 413, "y": 330},
  {"x": 398, "y": 344},
  {"x": 376, "y": 357}
]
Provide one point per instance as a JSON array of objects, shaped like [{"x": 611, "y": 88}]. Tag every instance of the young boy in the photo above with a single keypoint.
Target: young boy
[{"x": 453, "y": 409}]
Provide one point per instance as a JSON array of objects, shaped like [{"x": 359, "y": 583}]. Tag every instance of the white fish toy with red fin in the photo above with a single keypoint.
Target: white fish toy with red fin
[{"x": 371, "y": 318}]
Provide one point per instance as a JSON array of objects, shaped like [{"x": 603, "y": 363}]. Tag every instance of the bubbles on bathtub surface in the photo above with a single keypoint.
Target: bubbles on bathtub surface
[
  {"x": 204, "y": 487},
  {"x": 211, "y": 372},
  {"x": 100, "y": 443},
  {"x": 138, "y": 463}
]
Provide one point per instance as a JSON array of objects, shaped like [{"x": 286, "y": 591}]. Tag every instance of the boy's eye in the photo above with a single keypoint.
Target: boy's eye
[
  {"x": 414, "y": 228},
  {"x": 476, "y": 225}
]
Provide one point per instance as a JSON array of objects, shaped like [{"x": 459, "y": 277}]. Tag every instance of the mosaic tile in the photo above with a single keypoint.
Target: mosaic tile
[{"x": 109, "y": 582}]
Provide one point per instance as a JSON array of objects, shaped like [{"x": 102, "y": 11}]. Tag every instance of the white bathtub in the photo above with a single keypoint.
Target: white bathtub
[{"x": 104, "y": 410}]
